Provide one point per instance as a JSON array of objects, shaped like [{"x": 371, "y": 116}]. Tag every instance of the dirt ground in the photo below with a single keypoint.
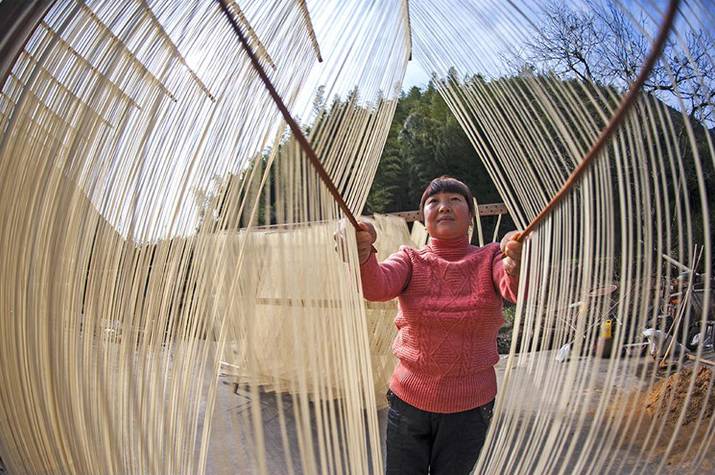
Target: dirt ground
[
  {"x": 648, "y": 428},
  {"x": 670, "y": 396},
  {"x": 671, "y": 407}
]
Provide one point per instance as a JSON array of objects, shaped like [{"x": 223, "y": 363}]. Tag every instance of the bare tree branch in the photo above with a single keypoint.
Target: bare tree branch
[{"x": 606, "y": 45}]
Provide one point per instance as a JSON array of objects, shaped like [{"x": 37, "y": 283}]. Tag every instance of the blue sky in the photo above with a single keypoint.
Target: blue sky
[{"x": 415, "y": 75}]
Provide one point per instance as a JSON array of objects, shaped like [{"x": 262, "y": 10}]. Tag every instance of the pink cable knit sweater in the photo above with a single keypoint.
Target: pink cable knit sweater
[{"x": 450, "y": 310}]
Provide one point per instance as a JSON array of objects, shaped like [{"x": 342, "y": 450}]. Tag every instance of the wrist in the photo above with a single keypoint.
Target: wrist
[{"x": 363, "y": 259}]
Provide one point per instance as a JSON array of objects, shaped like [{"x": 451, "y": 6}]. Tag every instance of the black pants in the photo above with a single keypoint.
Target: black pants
[{"x": 421, "y": 442}]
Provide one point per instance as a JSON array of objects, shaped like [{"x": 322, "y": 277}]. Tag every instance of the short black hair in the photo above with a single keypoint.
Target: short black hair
[{"x": 447, "y": 184}]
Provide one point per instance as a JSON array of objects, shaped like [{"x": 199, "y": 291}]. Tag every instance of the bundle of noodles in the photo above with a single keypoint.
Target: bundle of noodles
[
  {"x": 129, "y": 278},
  {"x": 642, "y": 206}
]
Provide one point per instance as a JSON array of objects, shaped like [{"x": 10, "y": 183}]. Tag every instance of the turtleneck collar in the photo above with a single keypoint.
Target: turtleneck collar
[{"x": 450, "y": 249}]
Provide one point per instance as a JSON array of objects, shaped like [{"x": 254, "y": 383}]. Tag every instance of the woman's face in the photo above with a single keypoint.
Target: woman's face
[{"x": 447, "y": 215}]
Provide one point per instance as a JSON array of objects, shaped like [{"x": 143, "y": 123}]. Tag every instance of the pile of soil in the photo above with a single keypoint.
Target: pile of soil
[
  {"x": 668, "y": 397},
  {"x": 653, "y": 420}
]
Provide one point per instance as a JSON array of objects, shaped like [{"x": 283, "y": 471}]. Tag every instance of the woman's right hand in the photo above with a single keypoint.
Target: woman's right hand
[{"x": 365, "y": 237}]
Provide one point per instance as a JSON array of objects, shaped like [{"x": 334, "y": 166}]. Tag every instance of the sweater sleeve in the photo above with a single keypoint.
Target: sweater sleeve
[
  {"x": 507, "y": 285},
  {"x": 385, "y": 281}
]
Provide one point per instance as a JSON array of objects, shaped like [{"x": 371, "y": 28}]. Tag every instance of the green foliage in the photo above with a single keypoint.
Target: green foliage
[
  {"x": 424, "y": 142},
  {"x": 508, "y": 313}
]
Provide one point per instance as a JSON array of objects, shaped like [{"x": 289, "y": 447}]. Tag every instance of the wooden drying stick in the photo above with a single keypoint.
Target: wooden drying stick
[
  {"x": 297, "y": 133},
  {"x": 613, "y": 124}
]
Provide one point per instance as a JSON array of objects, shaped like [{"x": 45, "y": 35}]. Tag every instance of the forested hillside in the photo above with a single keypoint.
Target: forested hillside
[{"x": 425, "y": 141}]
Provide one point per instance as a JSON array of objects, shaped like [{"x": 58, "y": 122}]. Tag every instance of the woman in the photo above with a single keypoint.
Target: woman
[{"x": 450, "y": 309}]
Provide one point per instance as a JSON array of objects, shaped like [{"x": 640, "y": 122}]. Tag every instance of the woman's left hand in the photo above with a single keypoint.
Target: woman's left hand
[{"x": 512, "y": 253}]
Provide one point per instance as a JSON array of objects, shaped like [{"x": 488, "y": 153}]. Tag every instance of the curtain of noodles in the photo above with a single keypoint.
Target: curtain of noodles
[
  {"x": 616, "y": 225},
  {"x": 154, "y": 210},
  {"x": 112, "y": 116},
  {"x": 299, "y": 339}
]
